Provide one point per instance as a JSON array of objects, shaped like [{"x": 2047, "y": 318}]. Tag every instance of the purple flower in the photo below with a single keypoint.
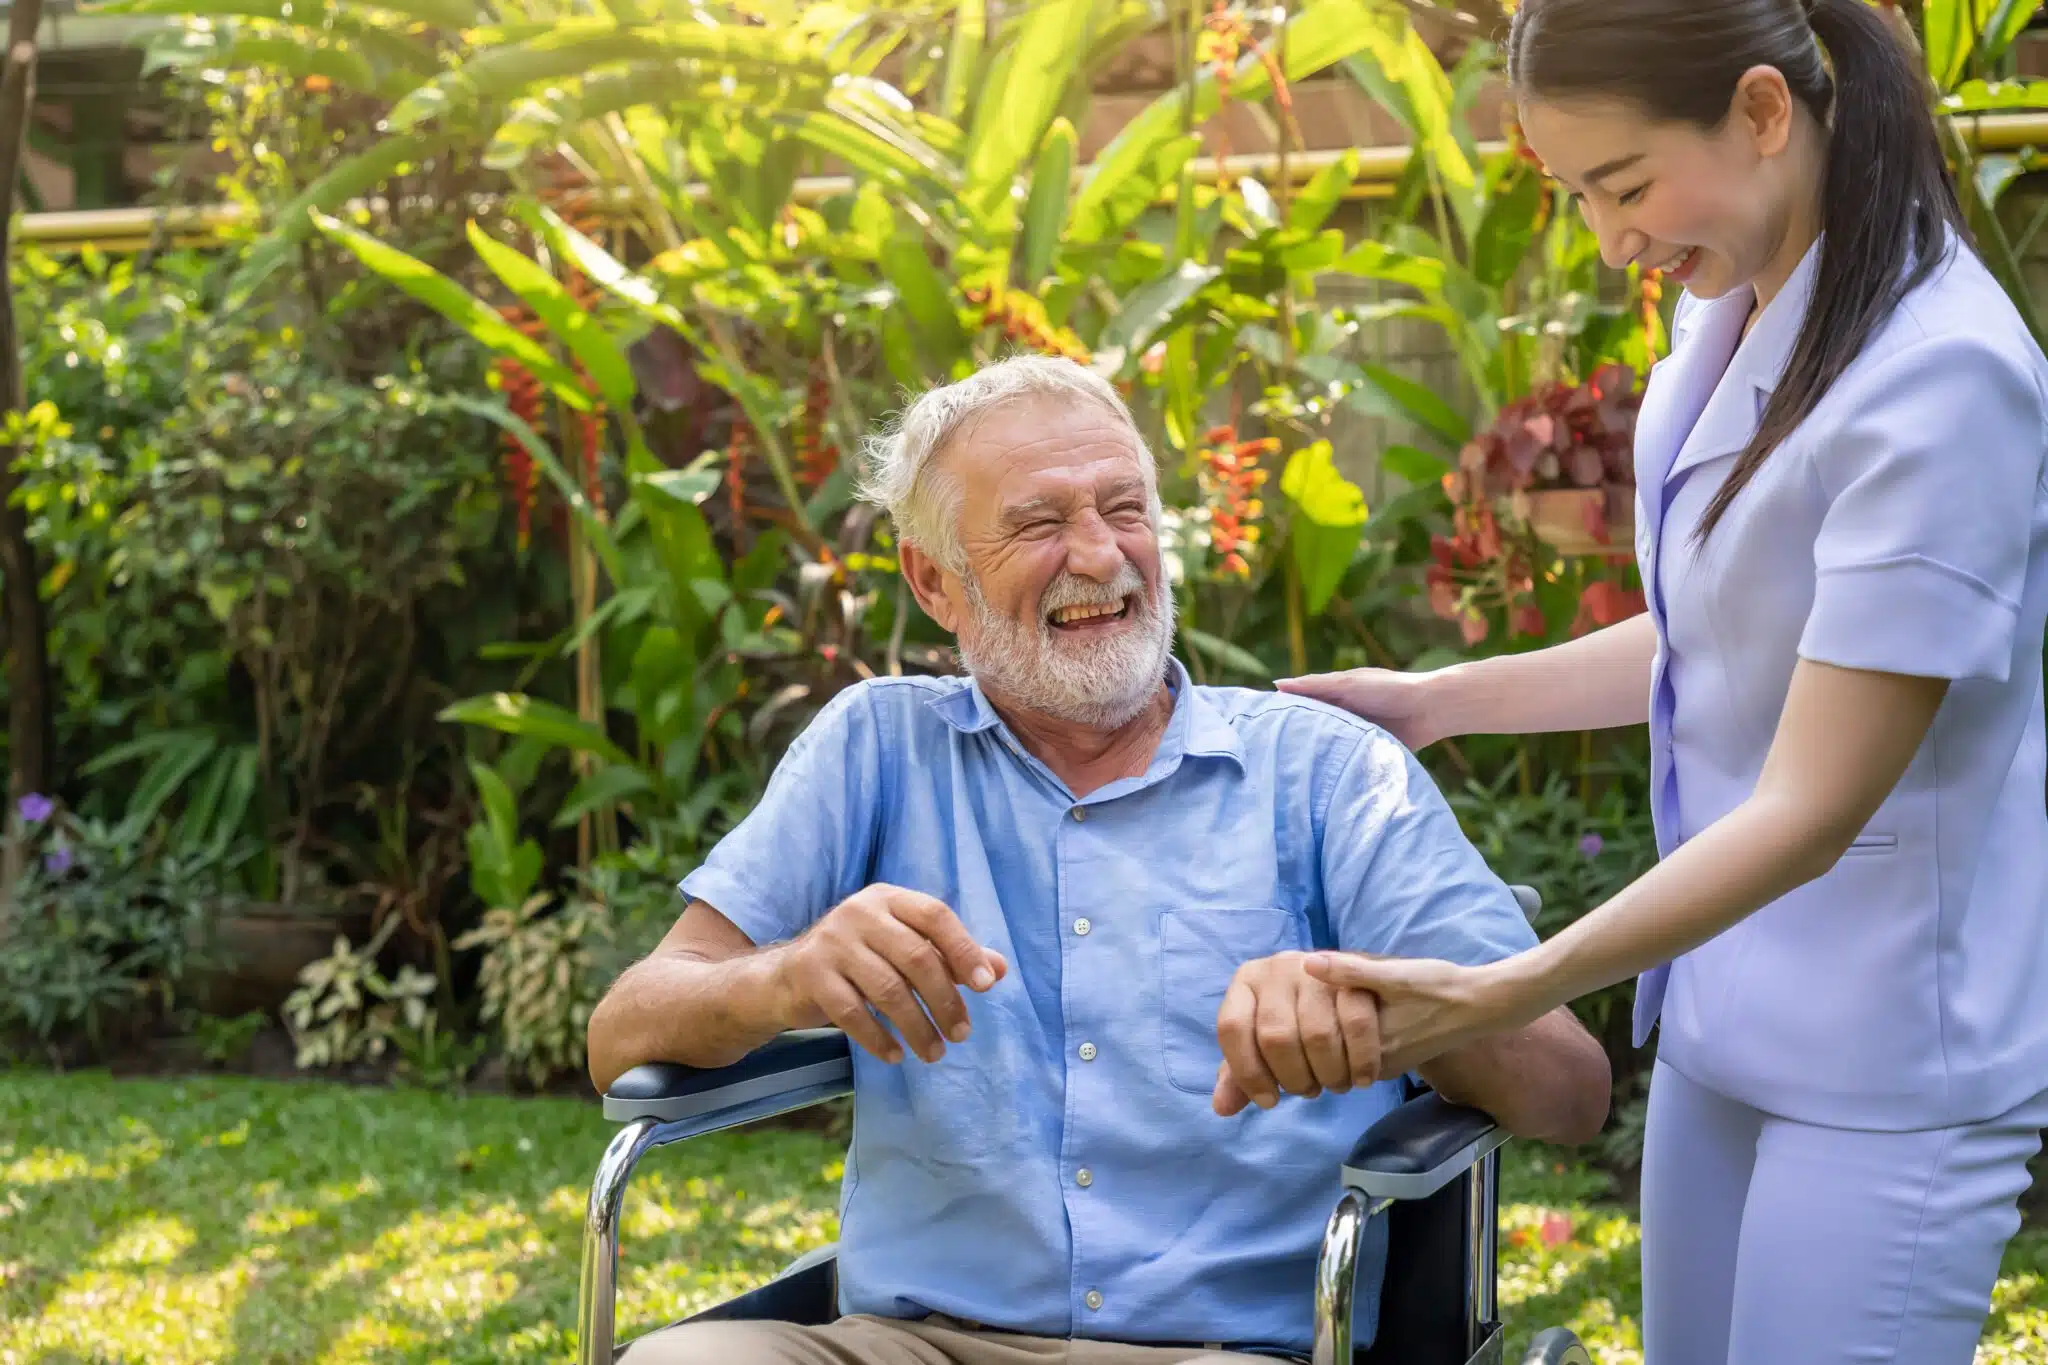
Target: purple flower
[
  {"x": 58, "y": 860},
  {"x": 1590, "y": 846},
  {"x": 35, "y": 808}
]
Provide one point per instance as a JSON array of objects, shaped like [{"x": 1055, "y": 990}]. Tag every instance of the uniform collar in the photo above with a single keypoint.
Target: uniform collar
[
  {"x": 1711, "y": 331},
  {"x": 1195, "y": 728}
]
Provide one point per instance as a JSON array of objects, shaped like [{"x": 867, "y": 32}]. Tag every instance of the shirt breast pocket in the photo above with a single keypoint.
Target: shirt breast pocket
[{"x": 1199, "y": 952}]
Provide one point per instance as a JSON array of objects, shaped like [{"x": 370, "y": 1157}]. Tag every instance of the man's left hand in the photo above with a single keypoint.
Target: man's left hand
[{"x": 1282, "y": 1030}]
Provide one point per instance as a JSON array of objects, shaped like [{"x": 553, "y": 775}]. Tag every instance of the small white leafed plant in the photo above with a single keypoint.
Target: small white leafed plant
[
  {"x": 346, "y": 1010},
  {"x": 538, "y": 981}
]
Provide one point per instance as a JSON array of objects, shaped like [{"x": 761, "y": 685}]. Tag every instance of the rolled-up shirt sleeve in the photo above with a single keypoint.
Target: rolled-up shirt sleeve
[
  {"x": 1400, "y": 878},
  {"x": 807, "y": 843},
  {"x": 1932, "y": 480}
]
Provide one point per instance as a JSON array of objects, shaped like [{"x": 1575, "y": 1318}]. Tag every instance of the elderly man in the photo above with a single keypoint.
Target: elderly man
[{"x": 1062, "y": 905}]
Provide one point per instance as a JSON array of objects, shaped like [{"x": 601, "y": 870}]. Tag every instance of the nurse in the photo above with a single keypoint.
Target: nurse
[{"x": 1841, "y": 532}]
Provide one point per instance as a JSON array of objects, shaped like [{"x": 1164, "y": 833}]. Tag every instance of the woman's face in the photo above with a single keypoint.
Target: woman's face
[{"x": 1713, "y": 209}]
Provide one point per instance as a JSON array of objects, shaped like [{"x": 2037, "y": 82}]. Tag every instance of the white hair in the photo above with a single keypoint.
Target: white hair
[{"x": 924, "y": 504}]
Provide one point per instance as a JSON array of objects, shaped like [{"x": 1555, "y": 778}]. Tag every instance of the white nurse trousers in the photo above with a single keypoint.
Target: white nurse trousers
[{"x": 1770, "y": 1242}]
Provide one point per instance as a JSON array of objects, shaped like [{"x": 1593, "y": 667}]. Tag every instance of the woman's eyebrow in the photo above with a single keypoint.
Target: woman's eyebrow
[{"x": 1614, "y": 167}]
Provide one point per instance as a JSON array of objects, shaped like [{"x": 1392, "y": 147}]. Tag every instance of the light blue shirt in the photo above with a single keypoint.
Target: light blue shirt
[
  {"x": 1061, "y": 1173},
  {"x": 1903, "y": 527}
]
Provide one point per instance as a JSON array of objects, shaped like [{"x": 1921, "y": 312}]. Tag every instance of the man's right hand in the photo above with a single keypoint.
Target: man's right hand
[{"x": 901, "y": 952}]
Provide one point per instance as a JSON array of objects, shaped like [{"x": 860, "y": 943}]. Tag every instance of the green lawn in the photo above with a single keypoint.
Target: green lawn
[{"x": 244, "y": 1221}]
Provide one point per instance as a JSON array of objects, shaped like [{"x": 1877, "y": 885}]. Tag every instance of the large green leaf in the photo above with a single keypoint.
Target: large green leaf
[
  {"x": 1977, "y": 97},
  {"x": 1507, "y": 228},
  {"x": 1417, "y": 468},
  {"x": 1378, "y": 261},
  {"x": 1328, "y": 522},
  {"x": 1225, "y": 654},
  {"x": 1945, "y": 33},
  {"x": 1012, "y": 114},
  {"x": 1046, "y": 212},
  {"x": 606, "y": 787},
  {"x": 928, "y": 300},
  {"x": 529, "y": 717},
  {"x": 598, "y": 265},
  {"x": 1148, "y": 307},
  {"x": 1422, "y": 403},
  {"x": 565, "y": 318},
  {"x": 1323, "y": 192},
  {"x": 1317, "y": 37},
  {"x": 2008, "y": 20},
  {"x": 296, "y": 57},
  {"x": 355, "y": 176},
  {"x": 576, "y": 45},
  {"x": 963, "y": 58},
  {"x": 1109, "y": 200},
  {"x": 459, "y": 306}
]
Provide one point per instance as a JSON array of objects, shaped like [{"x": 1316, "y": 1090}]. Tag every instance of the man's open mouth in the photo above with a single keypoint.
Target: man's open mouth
[{"x": 1090, "y": 615}]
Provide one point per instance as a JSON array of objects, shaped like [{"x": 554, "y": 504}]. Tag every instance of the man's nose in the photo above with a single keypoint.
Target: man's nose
[{"x": 1092, "y": 551}]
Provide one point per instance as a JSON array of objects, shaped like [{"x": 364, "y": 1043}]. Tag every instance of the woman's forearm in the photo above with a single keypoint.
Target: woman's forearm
[
  {"x": 1760, "y": 851},
  {"x": 1597, "y": 682}
]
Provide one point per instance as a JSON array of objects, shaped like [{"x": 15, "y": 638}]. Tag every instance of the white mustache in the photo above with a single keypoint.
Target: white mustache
[{"x": 1072, "y": 590}]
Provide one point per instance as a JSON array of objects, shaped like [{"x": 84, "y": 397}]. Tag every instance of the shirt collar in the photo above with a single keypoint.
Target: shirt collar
[{"x": 1196, "y": 727}]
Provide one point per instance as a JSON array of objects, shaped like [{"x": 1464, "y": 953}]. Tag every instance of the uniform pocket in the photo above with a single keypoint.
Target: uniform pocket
[
  {"x": 1869, "y": 845},
  {"x": 1199, "y": 951}
]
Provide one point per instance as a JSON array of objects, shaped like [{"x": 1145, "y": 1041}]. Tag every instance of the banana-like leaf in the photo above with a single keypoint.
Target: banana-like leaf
[
  {"x": 1378, "y": 261},
  {"x": 2008, "y": 20},
  {"x": 963, "y": 58},
  {"x": 1317, "y": 38},
  {"x": 576, "y": 45},
  {"x": 355, "y": 176},
  {"x": 1148, "y": 307},
  {"x": 927, "y": 298},
  {"x": 459, "y": 306},
  {"x": 1977, "y": 97},
  {"x": 600, "y": 266},
  {"x": 541, "y": 119},
  {"x": 1945, "y": 35},
  {"x": 1106, "y": 205},
  {"x": 606, "y": 787},
  {"x": 1046, "y": 211},
  {"x": 295, "y": 57},
  {"x": 530, "y": 717},
  {"x": 575, "y": 328},
  {"x": 1011, "y": 116},
  {"x": 1326, "y": 189}
]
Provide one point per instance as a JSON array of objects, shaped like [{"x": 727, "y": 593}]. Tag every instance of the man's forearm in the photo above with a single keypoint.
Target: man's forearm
[
  {"x": 673, "y": 1007},
  {"x": 1548, "y": 1082}
]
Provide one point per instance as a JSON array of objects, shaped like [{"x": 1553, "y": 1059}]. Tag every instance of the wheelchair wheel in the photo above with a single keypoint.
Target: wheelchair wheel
[{"x": 1556, "y": 1346}]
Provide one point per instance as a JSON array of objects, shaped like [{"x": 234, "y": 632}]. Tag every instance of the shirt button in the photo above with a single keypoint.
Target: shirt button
[
  {"x": 1087, "y": 1052},
  {"x": 1082, "y": 926},
  {"x": 1080, "y": 812},
  {"x": 1094, "y": 1299},
  {"x": 1084, "y": 1177}
]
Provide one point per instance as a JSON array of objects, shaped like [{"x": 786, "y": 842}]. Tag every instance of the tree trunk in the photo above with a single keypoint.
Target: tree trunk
[{"x": 31, "y": 732}]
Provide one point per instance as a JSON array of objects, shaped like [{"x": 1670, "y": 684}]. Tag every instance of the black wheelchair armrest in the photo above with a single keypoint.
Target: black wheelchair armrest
[
  {"x": 804, "y": 1065},
  {"x": 1420, "y": 1148}
]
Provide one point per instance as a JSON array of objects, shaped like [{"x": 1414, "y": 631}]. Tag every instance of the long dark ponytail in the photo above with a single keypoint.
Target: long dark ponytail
[{"x": 1888, "y": 202}]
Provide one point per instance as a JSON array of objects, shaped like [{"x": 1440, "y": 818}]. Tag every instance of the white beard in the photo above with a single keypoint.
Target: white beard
[{"x": 1098, "y": 683}]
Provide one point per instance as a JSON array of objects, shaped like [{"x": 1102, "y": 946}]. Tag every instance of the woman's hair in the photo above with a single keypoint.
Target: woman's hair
[{"x": 1887, "y": 201}]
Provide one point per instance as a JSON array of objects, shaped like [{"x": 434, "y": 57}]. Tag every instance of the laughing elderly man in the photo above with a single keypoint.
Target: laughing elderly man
[{"x": 1062, "y": 906}]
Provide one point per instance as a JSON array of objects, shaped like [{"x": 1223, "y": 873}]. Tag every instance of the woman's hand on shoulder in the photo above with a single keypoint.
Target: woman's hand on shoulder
[{"x": 1399, "y": 703}]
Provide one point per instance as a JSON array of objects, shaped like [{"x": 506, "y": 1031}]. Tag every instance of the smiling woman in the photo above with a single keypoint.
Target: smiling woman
[{"x": 1842, "y": 524}]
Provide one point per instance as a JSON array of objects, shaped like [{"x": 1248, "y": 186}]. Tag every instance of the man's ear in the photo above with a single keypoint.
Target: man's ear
[{"x": 927, "y": 582}]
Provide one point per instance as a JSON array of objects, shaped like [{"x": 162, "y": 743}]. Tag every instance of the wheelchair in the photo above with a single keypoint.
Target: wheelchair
[{"x": 1429, "y": 1167}]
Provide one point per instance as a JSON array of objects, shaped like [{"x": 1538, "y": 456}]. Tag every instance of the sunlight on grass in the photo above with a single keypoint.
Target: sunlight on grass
[{"x": 253, "y": 1222}]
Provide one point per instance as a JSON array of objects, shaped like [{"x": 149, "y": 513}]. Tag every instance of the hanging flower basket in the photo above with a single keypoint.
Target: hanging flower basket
[{"x": 1582, "y": 521}]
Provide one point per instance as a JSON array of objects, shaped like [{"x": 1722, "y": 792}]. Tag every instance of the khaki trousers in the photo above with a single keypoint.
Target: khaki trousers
[{"x": 861, "y": 1340}]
